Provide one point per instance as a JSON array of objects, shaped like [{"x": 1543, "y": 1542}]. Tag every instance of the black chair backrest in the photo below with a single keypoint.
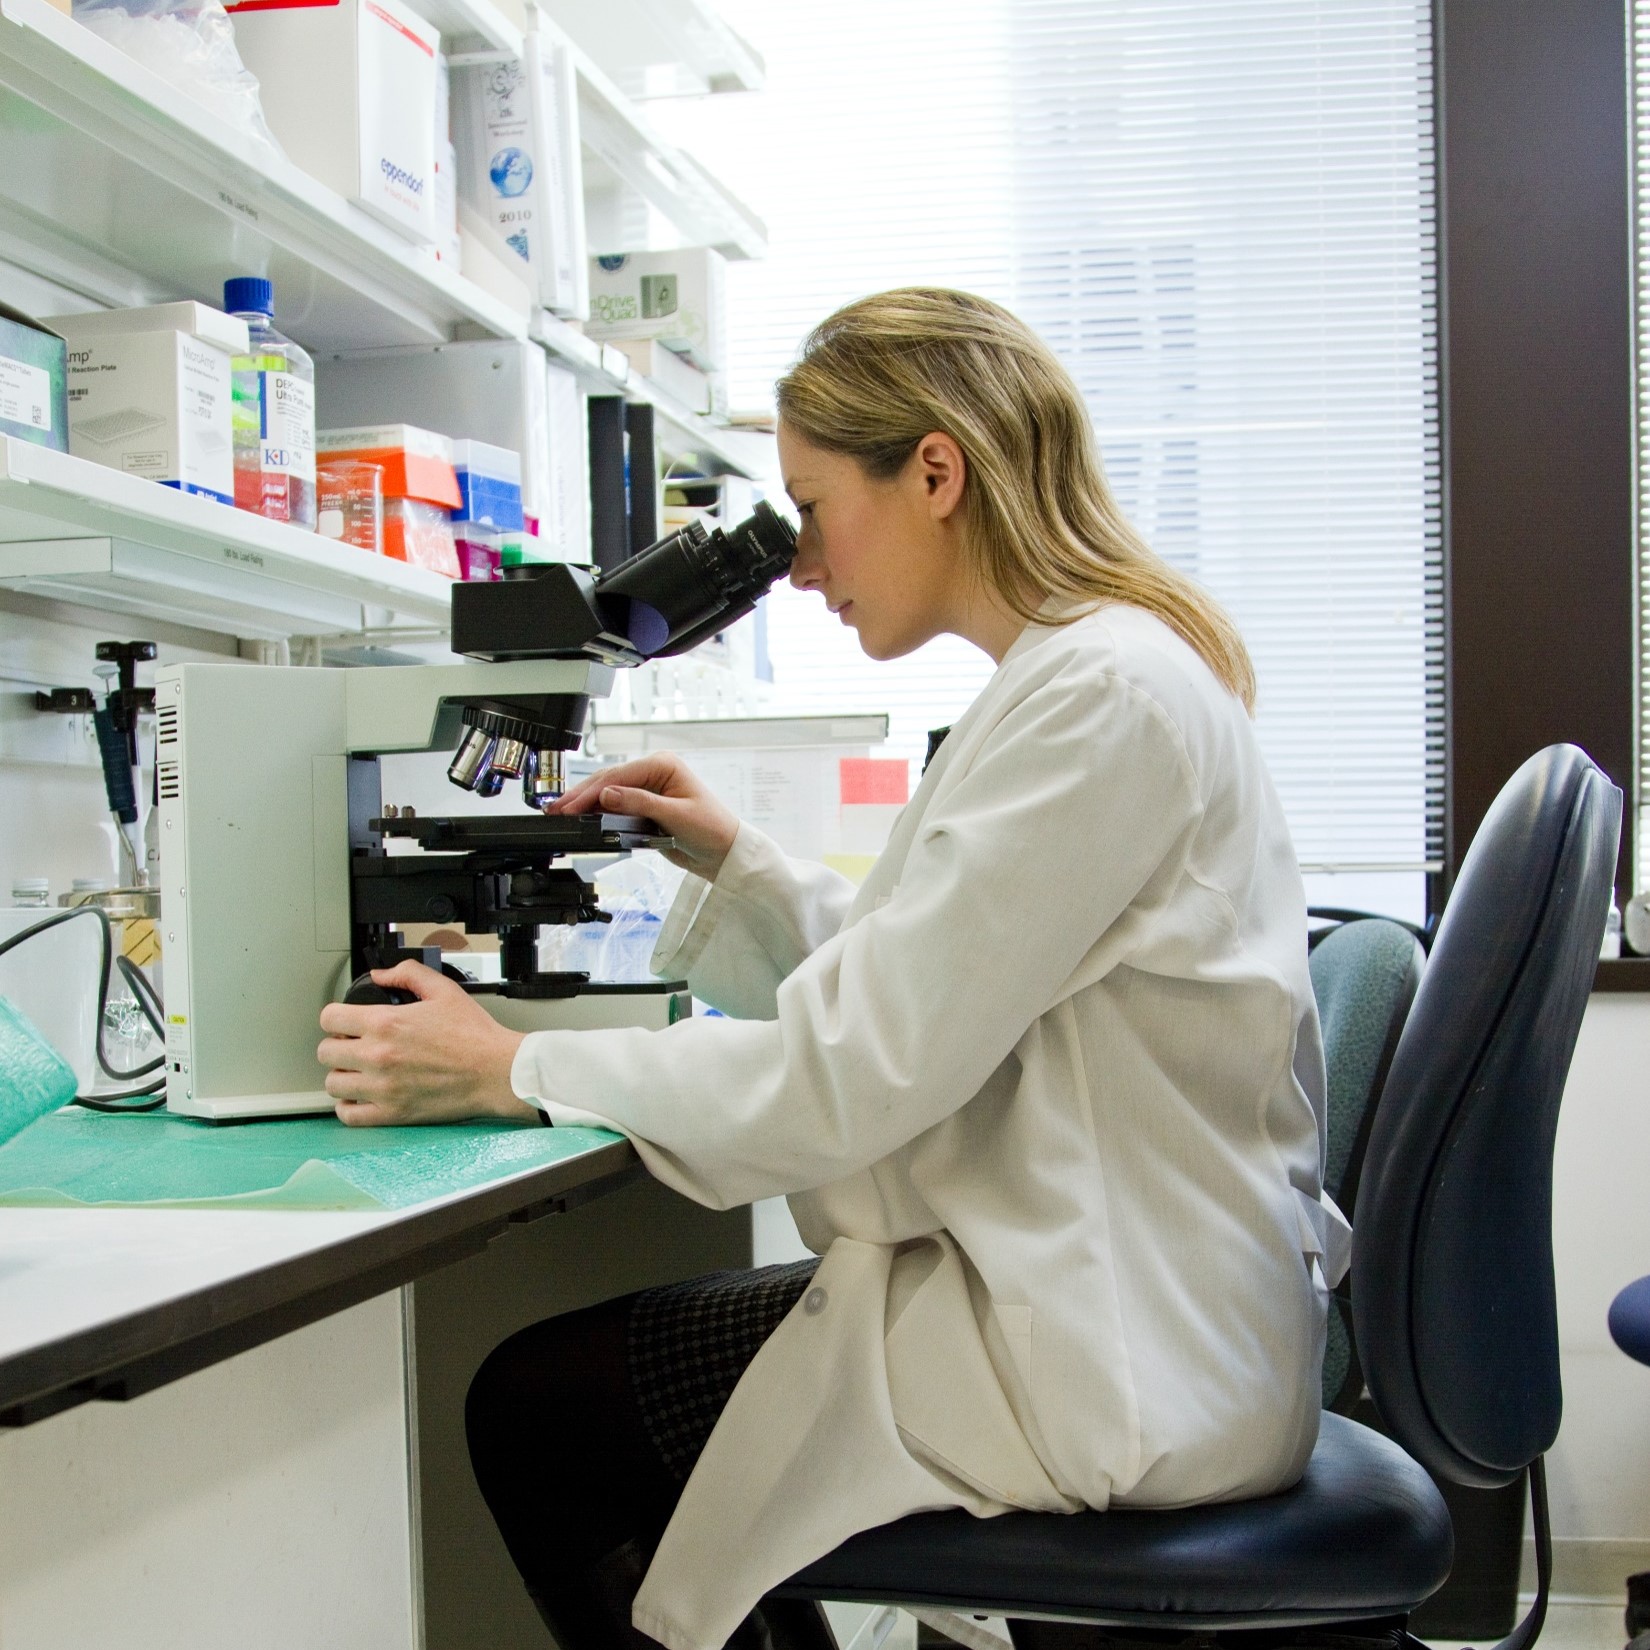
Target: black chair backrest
[{"x": 1452, "y": 1259}]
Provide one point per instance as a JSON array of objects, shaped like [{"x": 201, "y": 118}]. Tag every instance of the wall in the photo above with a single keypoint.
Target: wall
[
  {"x": 52, "y": 803},
  {"x": 1599, "y": 1469}
]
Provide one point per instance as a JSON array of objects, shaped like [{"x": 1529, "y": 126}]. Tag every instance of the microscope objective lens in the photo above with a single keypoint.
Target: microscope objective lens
[
  {"x": 541, "y": 780},
  {"x": 470, "y": 763},
  {"x": 509, "y": 757}
]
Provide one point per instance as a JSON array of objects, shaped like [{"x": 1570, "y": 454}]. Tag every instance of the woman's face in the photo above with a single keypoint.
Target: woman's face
[{"x": 885, "y": 555}]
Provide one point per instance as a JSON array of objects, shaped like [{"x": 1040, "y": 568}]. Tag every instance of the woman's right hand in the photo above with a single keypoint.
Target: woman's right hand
[{"x": 661, "y": 787}]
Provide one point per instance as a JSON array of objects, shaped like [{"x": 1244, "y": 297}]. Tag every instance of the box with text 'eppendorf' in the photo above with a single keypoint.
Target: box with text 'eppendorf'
[{"x": 349, "y": 89}]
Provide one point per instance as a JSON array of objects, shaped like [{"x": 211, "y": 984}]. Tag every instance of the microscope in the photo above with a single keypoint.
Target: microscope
[{"x": 285, "y": 877}]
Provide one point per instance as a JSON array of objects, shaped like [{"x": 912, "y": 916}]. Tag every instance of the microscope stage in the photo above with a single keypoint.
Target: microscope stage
[{"x": 539, "y": 834}]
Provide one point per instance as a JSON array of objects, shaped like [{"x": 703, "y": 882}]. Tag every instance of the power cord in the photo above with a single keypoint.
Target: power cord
[{"x": 143, "y": 993}]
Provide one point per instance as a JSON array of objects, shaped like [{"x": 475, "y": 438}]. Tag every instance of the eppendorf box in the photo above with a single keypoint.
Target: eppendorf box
[
  {"x": 150, "y": 392},
  {"x": 349, "y": 88}
]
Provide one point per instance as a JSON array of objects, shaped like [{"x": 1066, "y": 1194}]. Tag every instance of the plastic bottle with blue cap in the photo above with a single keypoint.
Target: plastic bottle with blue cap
[{"x": 273, "y": 414}]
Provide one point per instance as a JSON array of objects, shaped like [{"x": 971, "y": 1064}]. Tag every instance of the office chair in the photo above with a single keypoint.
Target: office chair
[
  {"x": 1630, "y": 1330},
  {"x": 1454, "y": 1309},
  {"x": 1365, "y": 974}
]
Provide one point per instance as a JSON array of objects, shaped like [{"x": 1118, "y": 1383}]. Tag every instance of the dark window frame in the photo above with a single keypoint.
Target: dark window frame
[{"x": 1536, "y": 398}]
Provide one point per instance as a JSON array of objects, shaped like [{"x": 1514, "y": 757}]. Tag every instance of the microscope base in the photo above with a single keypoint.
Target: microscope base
[{"x": 651, "y": 1006}]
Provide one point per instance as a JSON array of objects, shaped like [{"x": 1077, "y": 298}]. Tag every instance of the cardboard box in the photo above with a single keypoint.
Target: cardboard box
[
  {"x": 699, "y": 391},
  {"x": 418, "y": 464},
  {"x": 34, "y": 403},
  {"x": 349, "y": 88},
  {"x": 520, "y": 170},
  {"x": 677, "y": 297},
  {"x": 150, "y": 393}
]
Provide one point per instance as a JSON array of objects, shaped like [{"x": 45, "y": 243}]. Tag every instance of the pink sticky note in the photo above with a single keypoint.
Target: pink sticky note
[{"x": 875, "y": 779}]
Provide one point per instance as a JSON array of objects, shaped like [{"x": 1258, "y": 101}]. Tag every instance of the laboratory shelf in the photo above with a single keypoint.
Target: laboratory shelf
[
  {"x": 618, "y": 137},
  {"x": 81, "y": 532},
  {"x": 687, "y": 38},
  {"x": 603, "y": 370},
  {"x": 470, "y": 25},
  {"x": 123, "y": 188}
]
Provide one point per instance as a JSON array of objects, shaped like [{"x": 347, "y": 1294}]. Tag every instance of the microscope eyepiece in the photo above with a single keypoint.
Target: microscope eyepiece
[
  {"x": 666, "y": 599},
  {"x": 685, "y": 588}
]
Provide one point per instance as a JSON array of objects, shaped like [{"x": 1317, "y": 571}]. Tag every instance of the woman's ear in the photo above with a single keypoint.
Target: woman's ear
[{"x": 944, "y": 473}]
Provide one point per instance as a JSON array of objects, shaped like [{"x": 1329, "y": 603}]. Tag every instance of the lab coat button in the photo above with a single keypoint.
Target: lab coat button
[{"x": 813, "y": 1303}]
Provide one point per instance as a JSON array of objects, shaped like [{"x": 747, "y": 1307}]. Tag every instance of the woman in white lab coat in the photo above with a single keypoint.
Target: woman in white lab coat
[{"x": 1046, "y": 1092}]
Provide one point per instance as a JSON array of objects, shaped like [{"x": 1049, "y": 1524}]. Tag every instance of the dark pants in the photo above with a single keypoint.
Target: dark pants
[{"x": 583, "y": 1429}]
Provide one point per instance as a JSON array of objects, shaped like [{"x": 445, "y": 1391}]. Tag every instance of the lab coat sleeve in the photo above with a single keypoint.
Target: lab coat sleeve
[
  {"x": 735, "y": 939},
  {"x": 1072, "y": 804}
]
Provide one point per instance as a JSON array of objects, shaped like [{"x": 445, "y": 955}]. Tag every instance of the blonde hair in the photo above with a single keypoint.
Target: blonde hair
[{"x": 882, "y": 373}]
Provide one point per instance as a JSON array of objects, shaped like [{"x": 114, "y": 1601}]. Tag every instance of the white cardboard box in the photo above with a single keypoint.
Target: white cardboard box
[
  {"x": 520, "y": 172},
  {"x": 150, "y": 393},
  {"x": 677, "y": 297},
  {"x": 705, "y": 393},
  {"x": 349, "y": 88}
]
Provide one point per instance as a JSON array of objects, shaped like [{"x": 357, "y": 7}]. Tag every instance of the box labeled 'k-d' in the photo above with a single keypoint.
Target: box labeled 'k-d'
[
  {"x": 349, "y": 88},
  {"x": 150, "y": 393}
]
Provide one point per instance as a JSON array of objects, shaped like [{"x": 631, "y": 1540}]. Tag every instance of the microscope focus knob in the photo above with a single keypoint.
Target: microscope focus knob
[{"x": 364, "y": 991}]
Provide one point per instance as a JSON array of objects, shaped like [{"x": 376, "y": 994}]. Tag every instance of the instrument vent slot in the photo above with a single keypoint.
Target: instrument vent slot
[
  {"x": 166, "y": 725},
  {"x": 171, "y": 782}
]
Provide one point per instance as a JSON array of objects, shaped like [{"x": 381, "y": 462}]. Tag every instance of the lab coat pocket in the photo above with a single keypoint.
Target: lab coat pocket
[
  {"x": 1016, "y": 1325},
  {"x": 947, "y": 1396}
]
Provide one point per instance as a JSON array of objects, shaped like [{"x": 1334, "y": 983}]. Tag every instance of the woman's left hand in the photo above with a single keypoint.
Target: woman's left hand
[{"x": 439, "y": 1060}]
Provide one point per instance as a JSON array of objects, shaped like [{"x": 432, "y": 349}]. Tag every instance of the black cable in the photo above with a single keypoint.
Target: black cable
[{"x": 101, "y": 1102}]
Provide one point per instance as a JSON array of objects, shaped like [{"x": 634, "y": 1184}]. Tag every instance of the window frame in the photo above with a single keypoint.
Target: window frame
[{"x": 1536, "y": 377}]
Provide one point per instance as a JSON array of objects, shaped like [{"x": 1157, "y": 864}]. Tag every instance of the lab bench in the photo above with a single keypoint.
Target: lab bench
[{"x": 246, "y": 1425}]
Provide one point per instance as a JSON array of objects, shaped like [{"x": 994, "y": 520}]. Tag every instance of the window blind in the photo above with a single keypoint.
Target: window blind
[{"x": 1220, "y": 215}]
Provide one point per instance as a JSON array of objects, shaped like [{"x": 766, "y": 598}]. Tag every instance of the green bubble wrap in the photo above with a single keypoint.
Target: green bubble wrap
[
  {"x": 33, "y": 1076},
  {"x": 80, "y": 1158}
]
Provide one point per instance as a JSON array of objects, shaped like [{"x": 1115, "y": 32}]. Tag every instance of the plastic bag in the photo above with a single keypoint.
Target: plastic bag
[
  {"x": 191, "y": 44},
  {"x": 638, "y": 891}
]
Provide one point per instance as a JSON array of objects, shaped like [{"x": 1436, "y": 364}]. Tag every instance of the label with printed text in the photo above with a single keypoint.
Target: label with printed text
[
  {"x": 25, "y": 395},
  {"x": 288, "y": 435}
]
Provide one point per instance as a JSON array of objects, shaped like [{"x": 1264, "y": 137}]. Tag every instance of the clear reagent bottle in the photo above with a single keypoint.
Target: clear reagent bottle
[{"x": 273, "y": 412}]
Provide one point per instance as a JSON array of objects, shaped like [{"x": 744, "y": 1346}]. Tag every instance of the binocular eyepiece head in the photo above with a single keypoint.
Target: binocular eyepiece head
[{"x": 664, "y": 600}]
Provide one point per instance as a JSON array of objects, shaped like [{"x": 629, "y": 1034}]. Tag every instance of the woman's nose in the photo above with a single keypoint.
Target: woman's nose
[{"x": 807, "y": 570}]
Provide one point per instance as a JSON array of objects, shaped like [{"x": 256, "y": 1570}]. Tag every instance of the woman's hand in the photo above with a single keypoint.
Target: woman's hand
[
  {"x": 438, "y": 1060},
  {"x": 662, "y": 788}
]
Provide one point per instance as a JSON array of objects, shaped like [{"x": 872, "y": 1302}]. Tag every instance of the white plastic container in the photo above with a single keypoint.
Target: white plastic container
[
  {"x": 52, "y": 978},
  {"x": 350, "y": 91}
]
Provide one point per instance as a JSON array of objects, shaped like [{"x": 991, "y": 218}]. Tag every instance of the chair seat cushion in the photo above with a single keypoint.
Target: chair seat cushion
[{"x": 1364, "y": 1533}]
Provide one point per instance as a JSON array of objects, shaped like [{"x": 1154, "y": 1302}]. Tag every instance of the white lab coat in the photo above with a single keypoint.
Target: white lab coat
[{"x": 1047, "y": 1094}]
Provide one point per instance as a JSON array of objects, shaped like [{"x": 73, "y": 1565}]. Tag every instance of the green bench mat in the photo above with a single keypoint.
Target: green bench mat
[{"x": 76, "y": 1159}]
